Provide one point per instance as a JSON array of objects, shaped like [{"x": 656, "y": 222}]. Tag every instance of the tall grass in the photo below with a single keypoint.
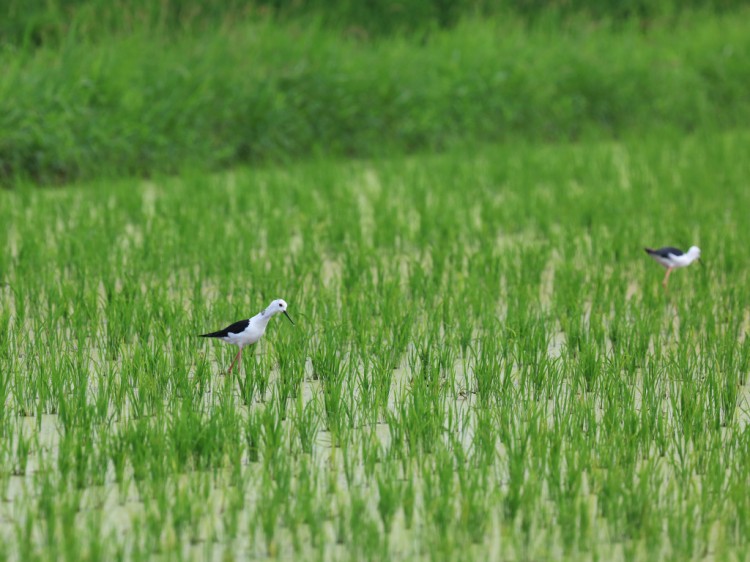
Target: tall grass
[
  {"x": 144, "y": 104},
  {"x": 32, "y": 23}
]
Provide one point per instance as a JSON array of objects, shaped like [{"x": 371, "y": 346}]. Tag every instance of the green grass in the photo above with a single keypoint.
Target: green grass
[
  {"x": 34, "y": 23},
  {"x": 144, "y": 103},
  {"x": 484, "y": 363}
]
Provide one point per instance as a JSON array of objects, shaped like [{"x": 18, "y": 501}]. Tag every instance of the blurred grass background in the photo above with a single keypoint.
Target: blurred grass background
[
  {"x": 45, "y": 22},
  {"x": 92, "y": 88}
]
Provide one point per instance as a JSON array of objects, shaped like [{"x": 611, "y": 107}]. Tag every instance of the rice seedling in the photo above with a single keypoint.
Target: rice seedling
[{"x": 483, "y": 365}]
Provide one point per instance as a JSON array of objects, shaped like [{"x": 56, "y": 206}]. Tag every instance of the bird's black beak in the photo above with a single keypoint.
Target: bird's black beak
[
  {"x": 700, "y": 261},
  {"x": 289, "y": 317}
]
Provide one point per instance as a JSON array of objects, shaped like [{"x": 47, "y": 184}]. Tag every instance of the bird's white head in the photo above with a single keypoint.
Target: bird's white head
[
  {"x": 277, "y": 306},
  {"x": 694, "y": 252}
]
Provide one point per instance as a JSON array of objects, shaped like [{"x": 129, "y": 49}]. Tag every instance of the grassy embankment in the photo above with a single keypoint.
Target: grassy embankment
[{"x": 146, "y": 102}]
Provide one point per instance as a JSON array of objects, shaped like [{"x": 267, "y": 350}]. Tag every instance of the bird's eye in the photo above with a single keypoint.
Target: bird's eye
[{"x": 280, "y": 305}]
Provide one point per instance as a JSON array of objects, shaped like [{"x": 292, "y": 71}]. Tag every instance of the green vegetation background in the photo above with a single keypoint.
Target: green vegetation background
[{"x": 103, "y": 89}]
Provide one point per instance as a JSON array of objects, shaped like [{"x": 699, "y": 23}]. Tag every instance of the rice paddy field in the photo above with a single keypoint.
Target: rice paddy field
[
  {"x": 484, "y": 363},
  {"x": 454, "y": 199}
]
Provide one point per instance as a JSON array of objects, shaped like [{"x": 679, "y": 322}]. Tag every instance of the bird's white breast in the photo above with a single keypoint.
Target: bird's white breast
[
  {"x": 249, "y": 335},
  {"x": 682, "y": 261}
]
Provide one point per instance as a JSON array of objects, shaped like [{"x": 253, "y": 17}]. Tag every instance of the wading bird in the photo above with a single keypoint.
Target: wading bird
[
  {"x": 247, "y": 332},
  {"x": 672, "y": 258}
]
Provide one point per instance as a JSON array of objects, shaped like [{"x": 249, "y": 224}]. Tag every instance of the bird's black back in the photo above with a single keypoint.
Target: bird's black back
[
  {"x": 235, "y": 328},
  {"x": 665, "y": 252}
]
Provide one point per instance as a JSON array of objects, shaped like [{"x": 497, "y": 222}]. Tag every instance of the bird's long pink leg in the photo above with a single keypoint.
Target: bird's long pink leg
[
  {"x": 666, "y": 277},
  {"x": 238, "y": 356},
  {"x": 239, "y": 378}
]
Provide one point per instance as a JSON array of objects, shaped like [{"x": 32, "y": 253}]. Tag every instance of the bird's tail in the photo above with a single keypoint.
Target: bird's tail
[
  {"x": 650, "y": 251},
  {"x": 211, "y": 335}
]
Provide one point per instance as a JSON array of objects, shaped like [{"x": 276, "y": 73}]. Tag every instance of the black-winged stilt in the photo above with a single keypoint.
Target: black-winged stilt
[
  {"x": 672, "y": 258},
  {"x": 247, "y": 332}
]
